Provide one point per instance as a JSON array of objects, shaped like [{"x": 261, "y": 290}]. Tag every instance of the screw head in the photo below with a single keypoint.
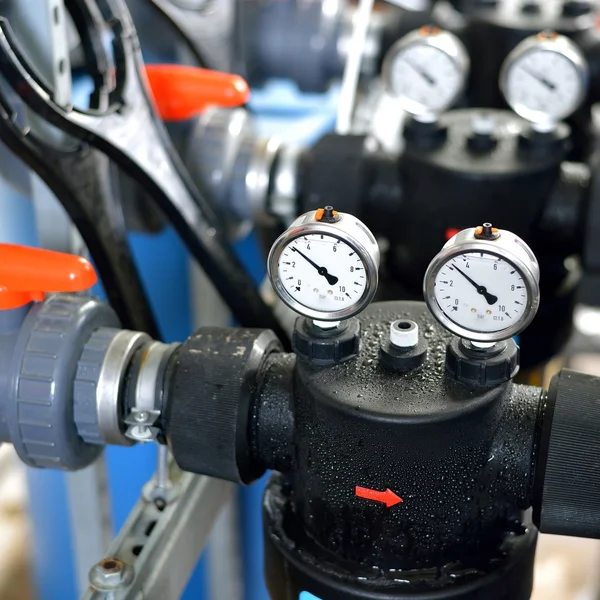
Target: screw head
[
  {"x": 141, "y": 417},
  {"x": 110, "y": 574}
]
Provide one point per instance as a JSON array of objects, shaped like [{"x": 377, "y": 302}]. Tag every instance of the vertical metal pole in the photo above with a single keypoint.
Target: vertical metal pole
[
  {"x": 162, "y": 466},
  {"x": 352, "y": 69}
]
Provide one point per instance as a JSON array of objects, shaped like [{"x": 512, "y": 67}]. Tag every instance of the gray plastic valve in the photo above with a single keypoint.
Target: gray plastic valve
[{"x": 40, "y": 347}]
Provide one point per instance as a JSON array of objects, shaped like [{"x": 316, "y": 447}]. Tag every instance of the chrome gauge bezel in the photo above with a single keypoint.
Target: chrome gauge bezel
[
  {"x": 341, "y": 230},
  {"x": 521, "y": 259},
  {"x": 445, "y": 42},
  {"x": 558, "y": 44}
]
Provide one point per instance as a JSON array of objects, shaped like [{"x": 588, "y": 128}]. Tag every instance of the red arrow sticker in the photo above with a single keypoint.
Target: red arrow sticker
[{"x": 388, "y": 497}]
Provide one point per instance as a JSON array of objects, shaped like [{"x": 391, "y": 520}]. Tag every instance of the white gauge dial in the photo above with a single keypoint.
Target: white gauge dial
[
  {"x": 325, "y": 266},
  {"x": 425, "y": 76},
  {"x": 483, "y": 285},
  {"x": 481, "y": 292},
  {"x": 426, "y": 71},
  {"x": 544, "y": 79},
  {"x": 322, "y": 272}
]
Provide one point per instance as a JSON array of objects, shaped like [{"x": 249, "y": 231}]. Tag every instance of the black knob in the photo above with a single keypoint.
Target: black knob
[
  {"x": 210, "y": 397},
  {"x": 402, "y": 359},
  {"x": 424, "y": 136},
  {"x": 481, "y": 143},
  {"x": 482, "y": 367},
  {"x": 326, "y": 347},
  {"x": 567, "y": 482}
]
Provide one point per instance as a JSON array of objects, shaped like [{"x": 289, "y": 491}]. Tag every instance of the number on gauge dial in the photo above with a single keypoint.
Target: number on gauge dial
[
  {"x": 322, "y": 272},
  {"x": 481, "y": 292}
]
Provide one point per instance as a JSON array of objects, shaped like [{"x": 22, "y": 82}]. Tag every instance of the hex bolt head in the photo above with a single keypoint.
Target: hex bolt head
[{"x": 110, "y": 574}]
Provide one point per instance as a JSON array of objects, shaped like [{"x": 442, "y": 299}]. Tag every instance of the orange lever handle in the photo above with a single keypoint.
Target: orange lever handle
[
  {"x": 27, "y": 274},
  {"x": 181, "y": 92}
]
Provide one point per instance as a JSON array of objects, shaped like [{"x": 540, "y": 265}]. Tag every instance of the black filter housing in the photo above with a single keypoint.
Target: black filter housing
[
  {"x": 448, "y": 186},
  {"x": 294, "y": 564},
  {"x": 491, "y": 34},
  {"x": 459, "y": 457}
]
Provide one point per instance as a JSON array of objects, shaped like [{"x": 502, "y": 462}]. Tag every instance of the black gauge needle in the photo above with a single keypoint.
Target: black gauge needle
[
  {"x": 481, "y": 289},
  {"x": 540, "y": 78},
  {"x": 426, "y": 76},
  {"x": 331, "y": 279}
]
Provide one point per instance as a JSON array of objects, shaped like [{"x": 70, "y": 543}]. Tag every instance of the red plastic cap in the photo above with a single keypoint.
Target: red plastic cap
[
  {"x": 181, "y": 92},
  {"x": 27, "y": 274}
]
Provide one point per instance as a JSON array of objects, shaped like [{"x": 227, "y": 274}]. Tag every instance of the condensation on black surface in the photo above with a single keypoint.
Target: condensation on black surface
[
  {"x": 459, "y": 457},
  {"x": 272, "y": 429},
  {"x": 284, "y": 531}
]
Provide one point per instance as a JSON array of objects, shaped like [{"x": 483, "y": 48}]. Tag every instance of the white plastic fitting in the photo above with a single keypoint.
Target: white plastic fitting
[{"x": 404, "y": 333}]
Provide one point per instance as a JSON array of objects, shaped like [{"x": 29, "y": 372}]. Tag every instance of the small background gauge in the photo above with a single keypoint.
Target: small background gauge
[
  {"x": 426, "y": 70},
  {"x": 544, "y": 79},
  {"x": 484, "y": 285},
  {"x": 325, "y": 266}
]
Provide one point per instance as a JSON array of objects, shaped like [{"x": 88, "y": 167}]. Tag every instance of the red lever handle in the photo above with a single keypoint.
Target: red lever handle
[
  {"x": 181, "y": 92},
  {"x": 27, "y": 274}
]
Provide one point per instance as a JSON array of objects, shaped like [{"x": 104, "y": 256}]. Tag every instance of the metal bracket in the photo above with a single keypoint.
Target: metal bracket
[
  {"x": 163, "y": 547},
  {"x": 140, "y": 422}
]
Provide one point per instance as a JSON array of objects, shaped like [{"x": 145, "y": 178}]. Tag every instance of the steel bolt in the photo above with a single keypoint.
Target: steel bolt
[
  {"x": 110, "y": 575},
  {"x": 141, "y": 425}
]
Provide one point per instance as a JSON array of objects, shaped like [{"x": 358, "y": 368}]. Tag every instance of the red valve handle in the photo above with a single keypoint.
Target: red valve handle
[
  {"x": 181, "y": 92},
  {"x": 27, "y": 274}
]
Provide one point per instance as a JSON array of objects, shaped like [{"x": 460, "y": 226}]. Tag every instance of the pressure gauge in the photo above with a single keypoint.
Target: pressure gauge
[
  {"x": 544, "y": 79},
  {"x": 484, "y": 285},
  {"x": 426, "y": 70},
  {"x": 325, "y": 266}
]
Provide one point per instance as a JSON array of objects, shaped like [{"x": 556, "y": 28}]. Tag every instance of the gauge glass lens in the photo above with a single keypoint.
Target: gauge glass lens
[
  {"x": 322, "y": 272},
  {"x": 544, "y": 82},
  {"x": 481, "y": 292},
  {"x": 425, "y": 76}
]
